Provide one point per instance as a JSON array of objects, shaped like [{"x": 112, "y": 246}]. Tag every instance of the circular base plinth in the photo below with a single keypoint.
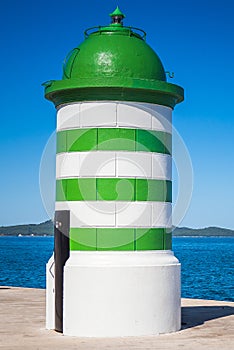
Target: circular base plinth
[{"x": 110, "y": 294}]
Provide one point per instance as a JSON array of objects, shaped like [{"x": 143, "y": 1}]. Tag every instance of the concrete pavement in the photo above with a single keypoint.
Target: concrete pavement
[{"x": 206, "y": 325}]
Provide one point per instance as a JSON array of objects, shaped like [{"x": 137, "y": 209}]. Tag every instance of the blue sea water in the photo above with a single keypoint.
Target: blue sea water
[{"x": 207, "y": 264}]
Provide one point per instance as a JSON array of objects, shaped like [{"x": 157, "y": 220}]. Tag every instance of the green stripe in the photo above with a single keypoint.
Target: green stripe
[
  {"x": 168, "y": 241},
  {"x": 61, "y": 142},
  {"x": 113, "y": 139},
  {"x": 153, "y": 190},
  {"x": 115, "y": 239},
  {"x": 153, "y": 141},
  {"x": 152, "y": 239},
  {"x": 83, "y": 239},
  {"x": 113, "y": 189},
  {"x": 110, "y": 139},
  {"x": 120, "y": 239}
]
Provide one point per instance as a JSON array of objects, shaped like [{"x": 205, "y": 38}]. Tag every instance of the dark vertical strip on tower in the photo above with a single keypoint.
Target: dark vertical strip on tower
[{"x": 61, "y": 254}]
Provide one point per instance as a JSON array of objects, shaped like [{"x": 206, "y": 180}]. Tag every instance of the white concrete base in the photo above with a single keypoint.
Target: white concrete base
[
  {"x": 50, "y": 294},
  {"x": 110, "y": 294}
]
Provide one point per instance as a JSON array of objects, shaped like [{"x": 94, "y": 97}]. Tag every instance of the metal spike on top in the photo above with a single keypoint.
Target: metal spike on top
[{"x": 117, "y": 16}]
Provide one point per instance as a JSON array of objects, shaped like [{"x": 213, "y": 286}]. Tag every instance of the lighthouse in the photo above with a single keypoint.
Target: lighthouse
[{"x": 113, "y": 271}]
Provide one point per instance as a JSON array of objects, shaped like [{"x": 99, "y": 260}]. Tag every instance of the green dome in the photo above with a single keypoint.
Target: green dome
[
  {"x": 114, "y": 52},
  {"x": 113, "y": 63}
]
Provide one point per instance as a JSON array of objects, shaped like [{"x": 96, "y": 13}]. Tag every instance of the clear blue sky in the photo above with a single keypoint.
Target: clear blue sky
[{"x": 193, "y": 39}]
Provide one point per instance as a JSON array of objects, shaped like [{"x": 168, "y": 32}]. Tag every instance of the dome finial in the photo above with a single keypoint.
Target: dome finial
[{"x": 117, "y": 16}]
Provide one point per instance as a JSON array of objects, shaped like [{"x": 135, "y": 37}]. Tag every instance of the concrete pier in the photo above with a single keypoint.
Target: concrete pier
[{"x": 206, "y": 324}]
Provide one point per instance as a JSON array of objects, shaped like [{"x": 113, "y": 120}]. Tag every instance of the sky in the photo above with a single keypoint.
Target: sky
[{"x": 194, "y": 39}]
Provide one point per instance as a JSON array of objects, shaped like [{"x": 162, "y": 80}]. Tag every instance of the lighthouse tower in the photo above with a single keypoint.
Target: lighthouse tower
[{"x": 113, "y": 272}]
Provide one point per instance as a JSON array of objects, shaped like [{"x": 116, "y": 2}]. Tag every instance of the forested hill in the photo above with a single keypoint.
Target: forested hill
[
  {"x": 207, "y": 231},
  {"x": 46, "y": 228}
]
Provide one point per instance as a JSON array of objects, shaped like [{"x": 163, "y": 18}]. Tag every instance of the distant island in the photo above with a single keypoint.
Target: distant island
[
  {"x": 43, "y": 229},
  {"x": 46, "y": 229},
  {"x": 207, "y": 231}
]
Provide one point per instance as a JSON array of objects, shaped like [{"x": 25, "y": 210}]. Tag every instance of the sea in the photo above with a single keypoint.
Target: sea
[{"x": 207, "y": 264}]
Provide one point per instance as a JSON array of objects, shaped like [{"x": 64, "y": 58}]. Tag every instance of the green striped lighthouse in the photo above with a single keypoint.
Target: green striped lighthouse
[{"x": 115, "y": 272}]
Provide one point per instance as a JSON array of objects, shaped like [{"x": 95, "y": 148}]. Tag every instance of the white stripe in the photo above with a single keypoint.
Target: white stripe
[
  {"x": 117, "y": 214},
  {"x": 145, "y": 116},
  {"x": 114, "y": 164},
  {"x": 98, "y": 115},
  {"x": 114, "y": 114},
  {"x": 161, "y": 166},
  {"x": 89, "y": 214},
  {"x": 131, "y": 116},
  {"x": 68, "y": 117},
  {"x": 161, "y": 214},
  {"x": 143, "y": 214},
  {"x": 134, "y": 164},
  {"x": 67, "y": 164},
  {"x": 86, "y": 164}
]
